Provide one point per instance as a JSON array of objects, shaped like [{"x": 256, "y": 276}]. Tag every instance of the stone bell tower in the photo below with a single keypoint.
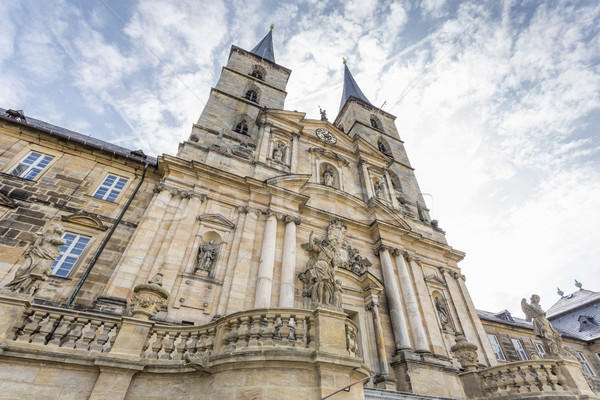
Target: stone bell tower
[
  {"x": 250, "y": 81},
  {"x": 358, "y": 117}
]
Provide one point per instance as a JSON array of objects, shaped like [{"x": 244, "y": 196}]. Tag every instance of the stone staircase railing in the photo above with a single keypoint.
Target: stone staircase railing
[
  {"x": 540, "y": 379},
  {"x": 525, "y": 377}
]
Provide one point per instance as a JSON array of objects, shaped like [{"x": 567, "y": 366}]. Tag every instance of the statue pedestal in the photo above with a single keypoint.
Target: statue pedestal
[
  {"x": 330, "y": 327},
  {"x": 12, "y": 307}
]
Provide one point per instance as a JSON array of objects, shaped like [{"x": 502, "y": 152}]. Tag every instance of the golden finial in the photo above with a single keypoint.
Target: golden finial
[
  {"x": 272, "y": 26},
  {"x": 344, "y": 61}
]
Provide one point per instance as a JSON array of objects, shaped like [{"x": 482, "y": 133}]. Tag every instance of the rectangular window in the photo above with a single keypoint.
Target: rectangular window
[
  {"x": 69, "y": 253},
  {"x": 540, "y": 349},
  {"x": 31, "y": 165},
  {"x": 496, "y": 346},
  {"x": 587, "y": 366},
  {"x": 519, "y": 348},
  {"x": 110, "y": 188}
]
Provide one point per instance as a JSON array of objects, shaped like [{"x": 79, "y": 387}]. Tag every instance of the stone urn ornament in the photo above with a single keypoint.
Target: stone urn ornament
[
  {"x": 465, "y": 352},
  {"x": 148, "y": 298}
]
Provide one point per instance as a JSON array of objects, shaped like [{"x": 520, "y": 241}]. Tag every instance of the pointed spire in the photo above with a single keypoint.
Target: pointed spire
[
  {"x": 264, "y": 48},
  {"x": 351, "y": 88}
]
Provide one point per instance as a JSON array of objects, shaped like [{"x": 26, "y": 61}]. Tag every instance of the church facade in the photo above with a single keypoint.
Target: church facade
[{"x": 274, "y": 256}]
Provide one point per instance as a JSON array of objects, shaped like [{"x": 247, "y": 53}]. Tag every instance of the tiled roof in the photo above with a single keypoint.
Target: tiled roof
[
  {"x": 583, "y": 322},
  {"x": 572, "y": 301},
  {"x": 500, "y": 317},
  {"x": 79, "y": 138}
]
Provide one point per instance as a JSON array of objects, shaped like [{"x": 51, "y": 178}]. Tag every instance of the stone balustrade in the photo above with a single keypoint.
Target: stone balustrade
[
  {"x": 53, "y": 327},
  {"x": 519, "y": 378},
  {"x": 539, "y": 379},
  {"x": 247, "y": 330}
]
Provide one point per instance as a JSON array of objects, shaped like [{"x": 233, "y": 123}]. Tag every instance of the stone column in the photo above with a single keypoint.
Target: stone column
[
  {"x": 133, "y": 259},
  {"x": 264, "y": 134},
  {"x": 294, "y": 153},
  {"x": 412, "y": 306},
  {"x": 235, "y": 298},
  {"x": 392, "y": 292},
  {"x": 288, "y": 264},
  {"x": 262, "y": 298},
  {"x": 392, "y": 191},
  {"x": 384, "y": 370},
  {"x": 366, "y": 179}
]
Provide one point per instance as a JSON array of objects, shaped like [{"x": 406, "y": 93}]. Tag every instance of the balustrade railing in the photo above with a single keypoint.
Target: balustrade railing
[
  {"x": 520, "y": 378},
  {"x": 52, "y": 327},
  {"x": 248, "y": 330}
]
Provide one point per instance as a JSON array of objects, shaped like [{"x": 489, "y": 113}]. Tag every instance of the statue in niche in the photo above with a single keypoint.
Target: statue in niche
[
  {"x": 38, "y": 261},
  {"x": 542, "y": 327},
  {"x": 278, "y": 152},
  {"x": 443, "y": 314},
  {"x": 319, "y": 279},
  {"x": 328, "y": 176},
  {"x": 378, "y": 189},
  {"x": 207, "y": 255}
]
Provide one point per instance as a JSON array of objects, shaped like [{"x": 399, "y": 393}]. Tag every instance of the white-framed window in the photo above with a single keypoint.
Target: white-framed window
[
  {"x": 69, "y": 253},
  {"x": 110, "y": 187},
  {"x": 31, "y": 165},
  {"x": 519, "y": 348},
  {"x": 587, "y": 366},
  {"x": 540, "y": 349},
  {"x": 496, "y": 346}
]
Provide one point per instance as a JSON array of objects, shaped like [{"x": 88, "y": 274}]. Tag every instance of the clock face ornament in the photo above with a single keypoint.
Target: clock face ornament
[{"x": 326, "y": 136}]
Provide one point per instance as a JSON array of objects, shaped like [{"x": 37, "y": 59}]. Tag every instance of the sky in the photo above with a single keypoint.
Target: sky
[{"x": 498, "y": 103}]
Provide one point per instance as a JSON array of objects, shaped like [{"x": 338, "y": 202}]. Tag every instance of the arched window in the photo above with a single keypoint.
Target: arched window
[
  {"x": 258, "y": 72},
  {"x": 241, "y": 127},
  {"x": 384, "y": 147},
  {"x": 395, "y": 182},
  {"x": 375, "y": 122},
  {"x": 251, "y": 95}
]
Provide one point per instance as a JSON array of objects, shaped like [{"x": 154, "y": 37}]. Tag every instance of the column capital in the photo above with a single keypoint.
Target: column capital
[
  {"x": 290, "y": 218},
  {"x": 381, "y": 248},
  {"x": 374, "y": 303},
  {"x": 248, "y": 210}
]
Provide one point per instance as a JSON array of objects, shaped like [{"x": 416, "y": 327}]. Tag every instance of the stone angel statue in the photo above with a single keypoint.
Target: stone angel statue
[
  {"x": 542, "y": 327},
  {"x": 38, "y": 260}
]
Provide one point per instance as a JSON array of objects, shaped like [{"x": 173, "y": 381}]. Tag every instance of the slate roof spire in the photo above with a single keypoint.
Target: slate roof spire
[
  {"x": 351, "y": 88},
  {"x": 264, "y": 48}
]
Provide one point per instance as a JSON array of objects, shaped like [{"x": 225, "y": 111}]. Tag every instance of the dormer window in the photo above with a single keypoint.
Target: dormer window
[
  {"x": 586, "y": 323},
  {"x": 241, "y": 127},
  {"x": 251, "y": 95}
]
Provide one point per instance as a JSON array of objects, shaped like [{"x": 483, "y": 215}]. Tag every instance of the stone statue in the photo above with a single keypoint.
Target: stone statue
[
  {"x": 323, "y": 114},
  {"x": 207, "y": 255},
  {"x": 328, "y": 176},
  {"x": 442, "y": 313},
  {"x": 38, "y": 260},
  {"x": 542, "y": 327},
  {"x": 378, "y": 189},
  {"x": 278, "y": 152},
  {"x": 148, "y": 298},
  {"x": 319, "y": 279}
]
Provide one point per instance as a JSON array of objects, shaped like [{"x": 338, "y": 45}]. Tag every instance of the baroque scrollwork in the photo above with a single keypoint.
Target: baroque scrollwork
[{"x": 149, "y": 297}]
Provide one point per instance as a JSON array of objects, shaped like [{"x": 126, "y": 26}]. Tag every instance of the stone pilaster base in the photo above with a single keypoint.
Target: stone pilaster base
[{"x": 424, "y": 374}]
